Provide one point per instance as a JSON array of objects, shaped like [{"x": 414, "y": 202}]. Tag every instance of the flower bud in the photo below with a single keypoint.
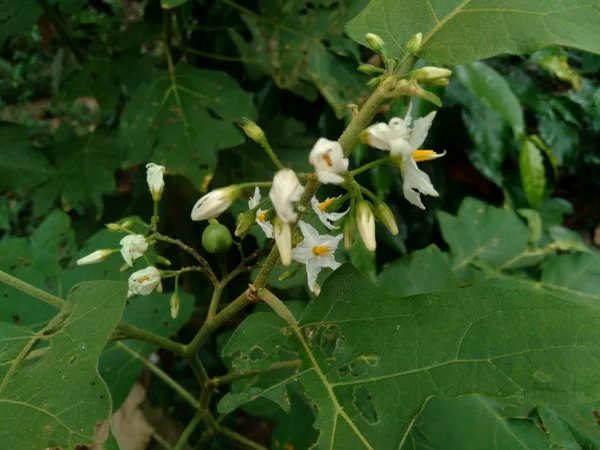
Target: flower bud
[
  {"x": 289, "y": 274},
  {"x": 386, "y": 217},
  {"x": 96, "y": 257},
  {"x": 366, "y": 224},
  {"x": 283, "y": 238},
  {"x": 175, "y": 302},
  {"x": 215, "y": 202},
  {"x": 127, "y": 224},
  {"x": 154, "y": 178},
  {"x": 162, "y": 260},
  {"x": 253, "y": 131},
  {"x": 113, "y": 227},
  {"x": 125, "y": 267},
  {"x": 216, "y": 238},
  {"x": 414, "y": 44},
  {"x": 370, "y": 69},
  {"x": 375, "y": 42},
  {"x": 374, "y": 82},
  {"x": 244, "y": 222},
  {"x": 349, "y": 231},
  {"x": 429, "y": 73},
  {"x": 442, "y": 82}
]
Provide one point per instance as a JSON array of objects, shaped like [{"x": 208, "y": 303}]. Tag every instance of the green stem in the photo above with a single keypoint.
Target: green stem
[
  {"x": 61, "y": 30},
  {"x": 189, "y": 250},
  {"x": 369, "y": 166},
  {"x": 163, "y": 376},
  {"x": 241, "y": 439},
  {"x": 214, "y": 301},
  {"x": 369, "y": 194},
  {"x": 133, "y": 332},
  {"x": 189, "y": 430},
  {"x": 155, "y": 218},
  {"x": 234, "y": 376},
  {"x": 267, "y": 147},
  {"x": 216, "y": 56},
  {"x": 278, "y": 306},
  {"x": 31, "y": 290},
  {"x": 255, "y": 184}
]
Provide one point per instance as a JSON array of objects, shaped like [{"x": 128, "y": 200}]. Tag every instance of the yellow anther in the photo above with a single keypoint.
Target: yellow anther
[
  {"x": 426, "y": 155},
  {"x": 321, "y": 250},
  {"x": 323, "y": 206},
  {"x": 142, "y": 279},
  {"x": 262, "y": 216},
  {"x": 327, "y": 159}
]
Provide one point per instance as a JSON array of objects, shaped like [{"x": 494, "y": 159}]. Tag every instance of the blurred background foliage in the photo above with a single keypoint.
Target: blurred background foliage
[{"x": 92, "y": 90}]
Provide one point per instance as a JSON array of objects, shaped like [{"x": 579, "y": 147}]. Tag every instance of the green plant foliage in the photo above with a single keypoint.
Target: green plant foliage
[
  {"x": 168, "y": 120},
  {"x": 461, "y": 31},
  {"x": 533, "y": 173},
  {"x": 364, "y": 397},
  {"x": 52, "y": 395}
]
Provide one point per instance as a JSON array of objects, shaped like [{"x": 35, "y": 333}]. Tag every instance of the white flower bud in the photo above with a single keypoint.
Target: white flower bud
[
  {"x": 375, "y": 42},
  {"x": 154, "y": 177},
  {"x": 414, "y": 44},
  {"x": 95, "y": 257},
  {"x": 283, "y": 238},
  {"x": 214, "y": 203},
  {"x": 144, "y": 281},
  {"x": 386, "y": 217},
  {"x": 365, "y": 221},
  {"x": 430, "y": 73},
  {"x": 175, "y": 302},
  {"x": 285, "y": 191},
  {"x": 253, "y": 131},
  {"x": 133, "y": 246}
]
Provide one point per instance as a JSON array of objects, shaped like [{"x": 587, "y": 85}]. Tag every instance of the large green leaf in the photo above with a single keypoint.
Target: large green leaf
[
  {"x": 21, "y": 166},
  {"x": 300, "y": 45},
  {"x": 461, "y": 31},
  {"x": 371, "y": 360},
  {"x": 17, "y": 17},
  {"x": 170, "y": 120},
  {"x": 494, "y": 91},
  {"x": 53, "y": 396},
  {"x": 533, "y": 173}
]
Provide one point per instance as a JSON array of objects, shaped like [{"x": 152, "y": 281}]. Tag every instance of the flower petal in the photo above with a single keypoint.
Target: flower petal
[
  {"x": 312, "y": 272},
  {"x": 420, "y": 130},
  {"x": 255, "y": 200},
  {"x": 311, "y": 235},
  {"x": 327, "y": 177}
]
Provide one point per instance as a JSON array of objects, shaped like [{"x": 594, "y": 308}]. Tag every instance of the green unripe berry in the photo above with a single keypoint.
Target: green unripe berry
[{"x": 216, "y": 238}]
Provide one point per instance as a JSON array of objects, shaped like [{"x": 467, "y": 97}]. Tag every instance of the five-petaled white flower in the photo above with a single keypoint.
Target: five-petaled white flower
[
  {"x": 154, "y": 177},
  {"x": 328, "y": 159},
  {"x": 285, "y": 191},
  {"x": 132, "y": 247},
  {"x": 144, "y": 281},
  {"x": 325, "y": 217},
  {"x": 403, "y": 142},
  {"x": 316, "y": 251},
  {"x": 214, "y": 203},
  {"x": 261, "y": 214}
]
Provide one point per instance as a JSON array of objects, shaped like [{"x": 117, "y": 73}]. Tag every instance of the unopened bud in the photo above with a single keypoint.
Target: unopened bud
[
  {"x": 386, "y": 217},
  {"x": 418, "y": 91},
  {"x": 365, "y": 221},
  {"x": 369, "y": 69},
  {"x": 127, "y": 224},
  {"x": 349, "y": 231},
  {"x": 113, "y": 227},
  {"x": 162, "y": 260},
  {"x": 253, "y": 131},
  {"x": 374, "y": 82},
  {"x": 244, "y": 222},
  {"x": 96, "y": 257},
  {"x": 289, "y": 274},
  {"x": 125, "y": 267},
  {"x": 175, "y": 302},
  {"x": 432, "y": 73},
  {"x": 283, "y": 238},
  {"x": 414, "y": 44},
  {"x": 442, "y": 82},
  {"x": 375, "y": 42}
]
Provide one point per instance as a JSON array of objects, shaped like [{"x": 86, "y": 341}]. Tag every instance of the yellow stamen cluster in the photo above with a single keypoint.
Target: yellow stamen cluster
[
  {"x": 142, "y": 279},
  {"x": 262, "y": 216},
  {"x": 321, "y": 250},
  {"x": 426, "y": 155},
  {"x": 323, "y": 205},
  {"x": 327, "y": 159}
]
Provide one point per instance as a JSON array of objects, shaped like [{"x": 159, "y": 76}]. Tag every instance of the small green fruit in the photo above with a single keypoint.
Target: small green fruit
[{"x": 216, "y": 238}]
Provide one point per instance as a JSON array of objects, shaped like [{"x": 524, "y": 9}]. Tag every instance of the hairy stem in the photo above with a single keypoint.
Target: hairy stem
[
  {"x": 163, "y": 376},
  {"x": 234, "y": 376},
  {"x": 31, "y": 290}
]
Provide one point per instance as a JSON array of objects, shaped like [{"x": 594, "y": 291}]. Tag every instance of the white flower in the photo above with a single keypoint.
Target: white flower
[
  {"x": 132, "y": 247},
  {"x": 144, "y": 281},
  {"x": 214, "y": 203},
  {"x": 416, "y": 182},
  {"x": 283, "y": 239},
  {"x": 398, "y": 137},
  {"x": 328, "y": 159},
  {"x": 95, "y": 257},
  {"x": 403, "y": 143},
  {"x": 286, "y": 190},
  {"x": 261, "y": 214},
  {"x": 316, "y": 251},
  {"x": 325, "y": 217},
  {"x": 154, "y": 177},
  {"x": 365, "y": 221}
]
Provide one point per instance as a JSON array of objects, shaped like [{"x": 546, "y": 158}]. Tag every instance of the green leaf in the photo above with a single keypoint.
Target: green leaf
[
  {"x": 298, "y": 45},
  {"x": 21, "y": 166},
  {"x": 574, "y": 276},
  {"x": 554, "y": 61},
  {"x": 462, "y": 31},
  {"x": 473, "y": 421},
  {"x": 170, "y": 120},
  {"x": 482, "y": 232},
  {"x": 533, "y": 173},
  {"x": 294, "y": 430},
  {"x": 423, "y": 271},
  {"x": 561, "y": 139},
  {"x": 18, "y": 17},
  {"x": 363, "y": 259},
  {"x": 494, "y": 91},
  {"x": 370, "y": 360},
  {"x": 56, "y": 398}
]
